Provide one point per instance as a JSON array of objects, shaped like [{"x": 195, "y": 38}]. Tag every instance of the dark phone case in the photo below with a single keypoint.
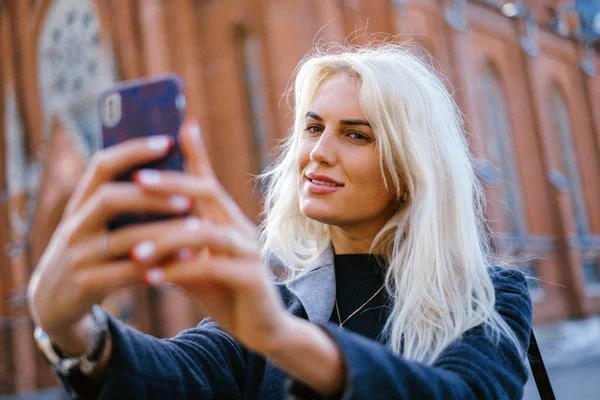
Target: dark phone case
[{"x": 149, "y": 107}]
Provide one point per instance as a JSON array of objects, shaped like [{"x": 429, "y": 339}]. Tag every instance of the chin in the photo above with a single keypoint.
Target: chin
[{"x": 320, "y": 214}]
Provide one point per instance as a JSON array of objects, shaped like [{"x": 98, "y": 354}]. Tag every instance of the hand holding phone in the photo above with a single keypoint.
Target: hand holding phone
[{"x": 143, "y": 108}]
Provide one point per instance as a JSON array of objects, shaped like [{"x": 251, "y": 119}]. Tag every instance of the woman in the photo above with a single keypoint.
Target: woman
[{"x": 373, "y": 222}]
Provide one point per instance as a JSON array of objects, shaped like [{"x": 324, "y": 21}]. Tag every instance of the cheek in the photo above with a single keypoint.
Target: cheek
[
  {"x": 369, "y": 186},
  {"x": 304, "y": 150},
  {"x": 364, "y": 168},
  {"x": 371, "y": 191}
]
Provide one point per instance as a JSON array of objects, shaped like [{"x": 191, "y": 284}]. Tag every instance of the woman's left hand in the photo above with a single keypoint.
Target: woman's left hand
[{"x": 219, "y": 261}]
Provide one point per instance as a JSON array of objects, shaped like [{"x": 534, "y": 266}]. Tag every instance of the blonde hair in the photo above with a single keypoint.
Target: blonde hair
[{"x": 435, "y": 244}]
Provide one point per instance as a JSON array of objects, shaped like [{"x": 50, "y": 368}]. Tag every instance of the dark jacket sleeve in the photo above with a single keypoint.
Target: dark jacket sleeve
[
  {"x": 202, "y": 362},
  {"x": 473, "y": 367}
]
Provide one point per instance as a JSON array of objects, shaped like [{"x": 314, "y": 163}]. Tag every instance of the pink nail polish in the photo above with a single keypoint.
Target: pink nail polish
[
  {"x": 155, "y": 276},
  {"x": 195, "y": 131},
  {"x": 143, "y": 250},
  {"x": 180, "y": 202},
  {"x": 159, "y": 143},
  {"x": 148, "y": 177},
  {"x": 192, "y": 223}
]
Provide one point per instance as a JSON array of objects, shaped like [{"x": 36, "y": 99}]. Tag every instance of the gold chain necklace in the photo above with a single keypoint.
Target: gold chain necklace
[{"x": 357, "y": 310}]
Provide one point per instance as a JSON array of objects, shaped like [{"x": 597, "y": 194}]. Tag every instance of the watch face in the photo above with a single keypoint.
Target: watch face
[
  {"x": 87, "y": 362},
  {"x": 45, "y": 345}
]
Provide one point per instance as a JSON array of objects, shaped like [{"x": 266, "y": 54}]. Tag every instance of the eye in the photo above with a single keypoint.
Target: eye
[
  {"x": 359, "y": 136},
  {"x": 313, "y": 129}
]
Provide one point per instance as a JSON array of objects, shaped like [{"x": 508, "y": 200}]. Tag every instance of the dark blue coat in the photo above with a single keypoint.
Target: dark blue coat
[{"x": 207, "y": 363}]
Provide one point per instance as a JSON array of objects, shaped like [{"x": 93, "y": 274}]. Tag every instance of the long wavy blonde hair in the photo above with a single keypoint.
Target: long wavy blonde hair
[{"x": 435, "y": 243}]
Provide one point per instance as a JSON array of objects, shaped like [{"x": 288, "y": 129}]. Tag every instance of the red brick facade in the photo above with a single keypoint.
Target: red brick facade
[{"x": 529, "y": 87}]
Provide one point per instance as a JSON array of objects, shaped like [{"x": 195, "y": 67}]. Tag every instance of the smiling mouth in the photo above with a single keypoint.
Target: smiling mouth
[{"x": 323, "y": 183}]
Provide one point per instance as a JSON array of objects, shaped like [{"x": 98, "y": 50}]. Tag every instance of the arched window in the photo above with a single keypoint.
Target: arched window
[
  {"x": 18, "y": 167},
  {"x": 563, "y": 139},
  {"x": 500, "y": 169},
  {"x": 74, "y": 67},
  {"x": 250, "y": 61}
]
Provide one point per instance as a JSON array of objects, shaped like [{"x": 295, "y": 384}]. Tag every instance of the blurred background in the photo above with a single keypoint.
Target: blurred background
[{"x": 525, "y": 74}]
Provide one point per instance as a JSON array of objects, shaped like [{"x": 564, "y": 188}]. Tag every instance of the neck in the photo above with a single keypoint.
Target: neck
[
  {"x": 357, "y": 237},
  {"x": 351, "y": 241}
]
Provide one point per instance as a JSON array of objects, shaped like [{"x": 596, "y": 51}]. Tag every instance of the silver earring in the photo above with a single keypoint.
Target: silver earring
[
  {"x": 404, "y": 198},
  {"x": 401, "y": 201}
]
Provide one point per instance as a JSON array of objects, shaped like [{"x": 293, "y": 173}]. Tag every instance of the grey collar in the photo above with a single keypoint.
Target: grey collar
[{"x": 316, "y": 288}]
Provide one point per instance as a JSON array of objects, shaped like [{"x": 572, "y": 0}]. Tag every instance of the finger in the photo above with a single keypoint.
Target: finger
[
  {"x": 112, "y": 199},
  {"x": 118, "y": 244},
  {"x": 114, "y": 161},
  {"x": 195, "y": 234},
  {"x": 101, "y": 279},
  {"x": 211, "y": 200},
  {"x": 226, "y": 271},
  {"x": 193, "y": 150}
]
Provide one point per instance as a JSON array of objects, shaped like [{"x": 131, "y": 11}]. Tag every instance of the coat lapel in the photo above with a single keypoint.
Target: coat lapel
[{"x": 316, "y": 288}]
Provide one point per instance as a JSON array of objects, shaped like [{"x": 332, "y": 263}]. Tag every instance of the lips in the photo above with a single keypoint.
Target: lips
[
  {"x": 323, "y": 180},
  {"x": 321, "y": 184}
]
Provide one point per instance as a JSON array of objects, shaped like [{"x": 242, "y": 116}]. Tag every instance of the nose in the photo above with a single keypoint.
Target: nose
[{"x": 324, "y": 150}]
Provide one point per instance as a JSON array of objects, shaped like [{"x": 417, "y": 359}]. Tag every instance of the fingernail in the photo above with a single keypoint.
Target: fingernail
[
  {"x": 143, "y": 250},
  {"x": 195, "y": 131},
  {"x": 159, "y": 143},
  {"x": 179, "y": 202},
  {"x": 155, "y": 276},
  {"x": 192, "y": 224},
  {"x": 147, "y": 176},
  {"x": 185, "y": 254}
]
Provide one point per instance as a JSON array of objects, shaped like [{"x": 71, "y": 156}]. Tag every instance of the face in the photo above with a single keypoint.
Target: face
[{"x": 341, "y": 183}]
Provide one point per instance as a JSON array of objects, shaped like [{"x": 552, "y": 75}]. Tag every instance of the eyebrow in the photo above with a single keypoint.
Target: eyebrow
[{"x": 355, "y": 122}]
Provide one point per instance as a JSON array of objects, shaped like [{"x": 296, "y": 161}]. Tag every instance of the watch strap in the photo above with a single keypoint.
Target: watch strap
[{"x": 87, "y": 362}]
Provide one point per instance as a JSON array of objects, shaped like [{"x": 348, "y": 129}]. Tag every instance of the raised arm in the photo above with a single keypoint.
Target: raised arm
[
  {"x": 84, "y": 262},
  {"x": 473, "y": 367},
  {"x": 202, "y": 362}
]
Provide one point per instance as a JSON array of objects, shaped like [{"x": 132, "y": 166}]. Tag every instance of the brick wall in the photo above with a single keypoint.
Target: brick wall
[{"x": 215, "y": 44}]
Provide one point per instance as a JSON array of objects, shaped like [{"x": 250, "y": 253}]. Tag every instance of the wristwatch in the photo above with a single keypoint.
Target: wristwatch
[{"x": 85, "y": 363}]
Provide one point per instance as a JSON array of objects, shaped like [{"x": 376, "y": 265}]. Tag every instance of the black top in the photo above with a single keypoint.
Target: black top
[{"x": 358, "y": 277}]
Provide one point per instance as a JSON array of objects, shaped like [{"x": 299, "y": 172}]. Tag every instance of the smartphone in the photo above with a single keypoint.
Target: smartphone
[{"x": 143, "y": 108}]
